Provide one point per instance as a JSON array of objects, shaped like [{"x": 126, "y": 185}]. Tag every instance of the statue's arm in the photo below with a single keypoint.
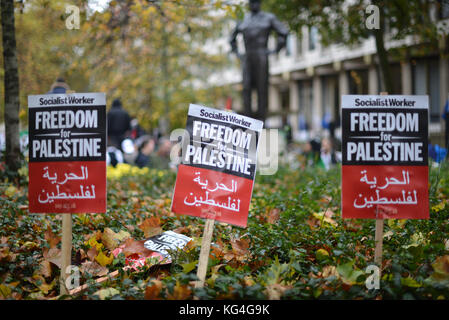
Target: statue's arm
[
  {"x": 233, "y": 39},
  {"x": 281, "y": 31}
]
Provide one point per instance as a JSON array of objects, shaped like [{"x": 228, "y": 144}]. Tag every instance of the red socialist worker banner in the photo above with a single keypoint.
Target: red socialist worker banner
[
  {"x": 67, "y": 153},
  {"x": 385, "y": 157},
  {"x": 216, "y": 175}
]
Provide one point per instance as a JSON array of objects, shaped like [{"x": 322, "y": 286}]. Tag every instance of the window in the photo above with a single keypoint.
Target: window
[
  {"x": 444, "y": 9},
  {"x": 305, "y": 104},
  {"x": 426, "y": 81},
  {"x": 358, "y": 81},
  {"x": 313, "y": 38},
  {"x": 298, "y": 46}
]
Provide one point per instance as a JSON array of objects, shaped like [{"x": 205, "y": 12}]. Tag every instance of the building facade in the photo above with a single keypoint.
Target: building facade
[{"x": 307, "y": 81}]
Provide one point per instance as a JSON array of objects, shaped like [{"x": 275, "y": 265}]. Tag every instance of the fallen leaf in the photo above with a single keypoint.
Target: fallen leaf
[
  {"x": 45, "y": 268},
  {"x": 276, "y": 290},
  {"x": 7, "y": 255},
  {"x": 39, "y": 281},
  {"x": 180, "y": 292},
  {"x": 326, "y": 217},
  {"x": 94, "y": 269},
  {"x": 53, "y": 255},
  {"x": 122, "y": 235},
  {"x": 92, "y": 253},
  {"x": 274, "y": 215},
  {"x": 132, "y": 246},
  {"x": 10, "y": 191},
  {"x": 103, "y": 259},
  {"x": 93, "y": 243},
  {"x": 441, "y": 268},
  {"x": 151, "y": 227},
  {"x": 388, "y": 235},
  {"x": 240, "y": 247},
  {"x": 51, "y": 238},
  {"x": 107, "y": 293},
  {"x": 108, "y": 239},
  {"x": 152, "y": 292},
  {"x": 29, "y": 245},
  {"x": 182, "y": 230},
  {"x": 5, "y": 291},
  {"x": 329, "y": 271}
]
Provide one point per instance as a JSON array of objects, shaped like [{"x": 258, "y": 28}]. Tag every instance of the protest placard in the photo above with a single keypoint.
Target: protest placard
[
  {"x": 67, "y": 153},
  {"x": 216, "y": 175},
  {"x": 67, "y": 160},
  {"x": 385, "y": 157}
]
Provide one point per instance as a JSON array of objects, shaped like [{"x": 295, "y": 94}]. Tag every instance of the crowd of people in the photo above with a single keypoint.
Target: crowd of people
[
  {"x": 129, "y": 143},
  {"x": 320, "y": 153}
]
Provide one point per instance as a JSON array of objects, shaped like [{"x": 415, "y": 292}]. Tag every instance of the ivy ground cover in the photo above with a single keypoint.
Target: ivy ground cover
[{"x": 296, "y": 245}]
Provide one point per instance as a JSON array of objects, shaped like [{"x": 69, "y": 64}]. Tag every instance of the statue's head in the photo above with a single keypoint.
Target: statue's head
[{"x": 254, "y": 5}]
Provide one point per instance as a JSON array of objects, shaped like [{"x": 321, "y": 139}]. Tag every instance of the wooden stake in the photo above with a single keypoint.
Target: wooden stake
[
  {"x": 378, "y": 238},
  {"x": 204, "y": 253},
  {"x": 66, "y": 250}
]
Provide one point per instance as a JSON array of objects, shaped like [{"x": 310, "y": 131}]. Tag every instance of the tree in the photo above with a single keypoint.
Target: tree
[
  {"x": 11, "y": 85},
  {"x": 151, "y": 54},
  {"x": 345, "y": 22}
]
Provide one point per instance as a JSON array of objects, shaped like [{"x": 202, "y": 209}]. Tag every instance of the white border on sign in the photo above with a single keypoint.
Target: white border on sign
[
  {"x": 59, "y": 99},
  {"x": 194, "y": 110},
  {"x": 420, "y": 102}
]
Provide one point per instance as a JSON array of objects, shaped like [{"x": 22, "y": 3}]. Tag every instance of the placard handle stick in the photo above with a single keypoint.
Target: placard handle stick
[
  {"x": 378, "y": 238},
  {"x": 379, "y": 233},
  {"x": 66, "y": 250},
  {"x": 204, "y": 253}
]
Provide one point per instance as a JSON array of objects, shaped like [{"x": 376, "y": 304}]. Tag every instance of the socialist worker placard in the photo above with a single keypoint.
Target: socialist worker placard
[
  {"x": 385, "y": 157},
  {"x": 216, "y": 175},
  {"x": 67, "y": 153}
]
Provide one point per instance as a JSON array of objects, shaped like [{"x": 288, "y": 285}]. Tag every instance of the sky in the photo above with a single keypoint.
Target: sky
[{"x": 98, "y": 5}]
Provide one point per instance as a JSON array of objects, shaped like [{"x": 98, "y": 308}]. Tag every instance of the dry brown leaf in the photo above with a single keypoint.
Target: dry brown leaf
[
  {"x": 240, "y": 246},
  {"x": 108, "y": 239},
  {"x": 274, "y": 215},
  {"x": 45, "y": 268},
  {"x": 92, "y": 253},
  {"x": 180, "y": 292},
  {"x": 152, "y": 292},
  {"x": 132, "y": 246},
  {"x": 6, "y": 255},
  {"x": 329, "y": 271},
  {"x": 96, "y": 235},
  {"x": 182, "y": 230},
  {"x": 51, "y": 238},
  {"x": 94, "y": 269},
  {"x": 151, "y": 227},
  {"x": 275, "y": 291},
  {"x": 53, "y": 255}
]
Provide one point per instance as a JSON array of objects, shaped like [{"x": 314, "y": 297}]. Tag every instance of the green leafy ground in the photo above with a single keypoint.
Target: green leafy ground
[{"x": 296, "y": 245}]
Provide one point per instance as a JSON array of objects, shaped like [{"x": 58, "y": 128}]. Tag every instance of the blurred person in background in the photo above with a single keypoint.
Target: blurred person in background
[
  {"x": 59, "y": 86},
  {"x": 328, "y": 157},
  {"x": 311, "y": 151},
  {"x": 161, "y": 158},
  {"x": 119, "y": 123},
  {"x": 145, "y": 148},
  {"x": 136, "y": 130}
]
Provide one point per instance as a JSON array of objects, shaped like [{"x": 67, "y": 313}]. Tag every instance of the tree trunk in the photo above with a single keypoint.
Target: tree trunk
[
  {"x": 11, "y": 83},
  {"x": 382, "y": 53}
]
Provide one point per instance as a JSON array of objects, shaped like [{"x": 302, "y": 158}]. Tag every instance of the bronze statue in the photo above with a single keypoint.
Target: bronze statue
[{"x": 256, "y": 28}]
